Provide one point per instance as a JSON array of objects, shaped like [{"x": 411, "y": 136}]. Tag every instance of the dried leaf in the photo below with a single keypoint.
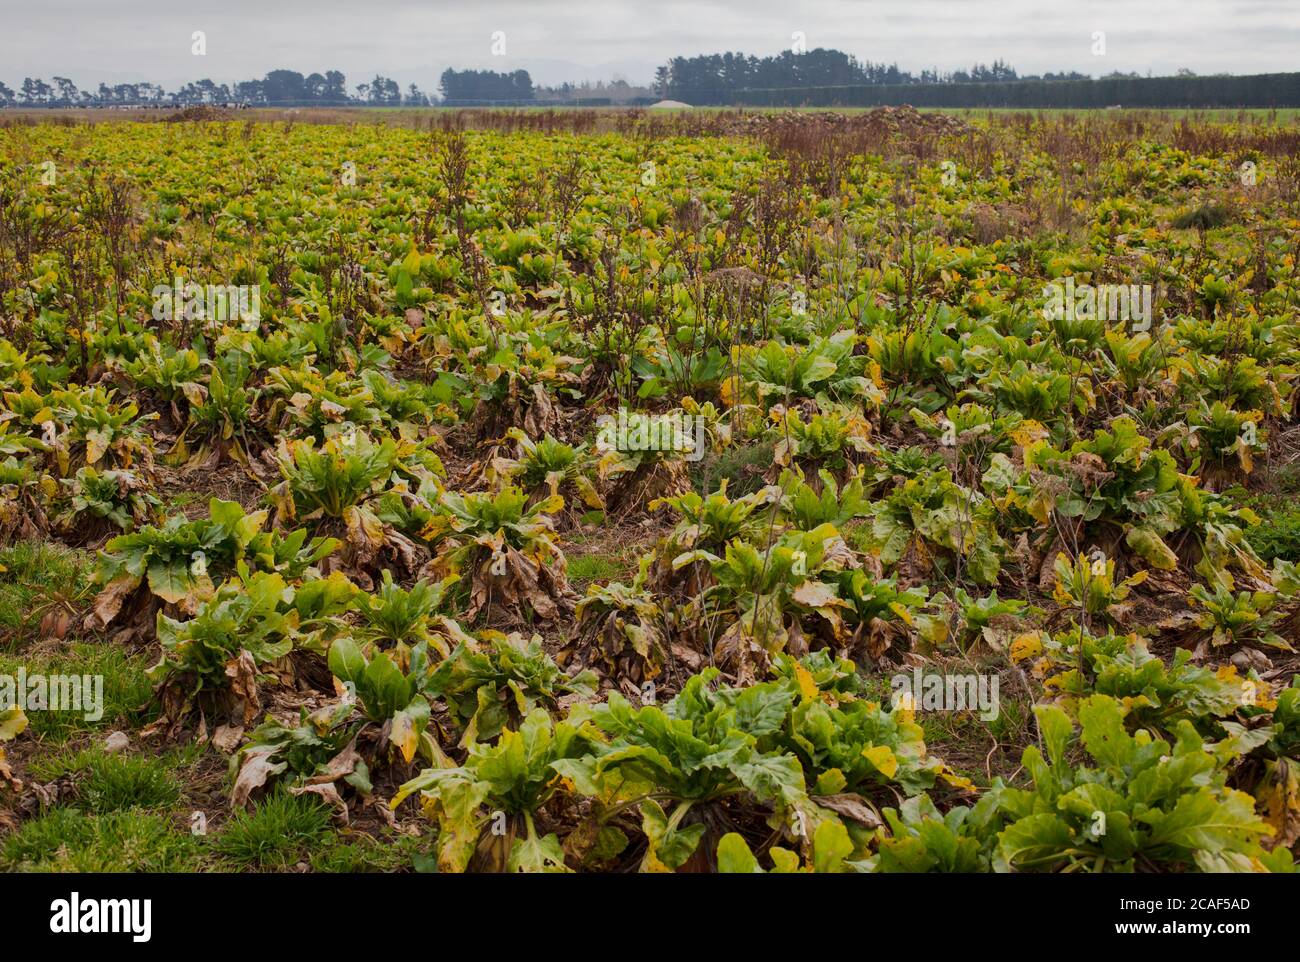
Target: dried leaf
[
  {"x": 257, "y": 767},
  {"x": 851, "y": 805},
  {"x": 227, "y": 737},
  {"x": 242, "y": 672}
]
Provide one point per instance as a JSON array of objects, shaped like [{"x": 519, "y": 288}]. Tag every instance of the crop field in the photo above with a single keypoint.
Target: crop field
[{"x": 622, "y": 491}]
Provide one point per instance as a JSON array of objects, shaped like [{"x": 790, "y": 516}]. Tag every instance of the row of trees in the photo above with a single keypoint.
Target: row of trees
[
  {"x": 829, "y": 78},
  {"x": 290, "y": 88},
  {"x": 587, "y": 92},
  {"x": 722, "y": 78},
  {"x": 469, "y": 87},
  {"x": 277, "y": 88},
  {"x": 816, "y": 78}
]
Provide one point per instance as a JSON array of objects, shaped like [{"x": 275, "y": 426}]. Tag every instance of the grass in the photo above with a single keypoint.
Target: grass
[
  {"x": 33, "y": 574},
  {"x": 1278, "y": 533},
  {"x": 126, "y": 690},
  {"x": 596, "y": 567},
  {"x": 108, "y": 783},
  {"x": 282, "y": 831},
  {"x": 363, "y": 853},
  {"x": 857, "y": 533},
  {"x": 69, "y": 840},
  {"x": 181, "y": 500},
  {"x": 978, "y": 748},
  {"x": 113, "y": 783},
  {"x": 275, "y": 834},
  {"x": 126, "y": 815}
]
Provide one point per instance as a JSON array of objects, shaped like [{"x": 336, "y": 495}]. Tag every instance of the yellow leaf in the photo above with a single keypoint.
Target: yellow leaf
[
  {"x": 807, "y": 687},
  {"x": 902, "y": 611},
  {"x": 13, "y": 722},
  {"x": 882, "y": 756},
  {"x": 96, "y": 445},
  {"x": 1025, "y": 646},
  {"x": 1243, "y": 456},
  {"x": 957, "y": 781},
  {"x": 404, "y": 735},
  {"x": 1028, "y": 432}
]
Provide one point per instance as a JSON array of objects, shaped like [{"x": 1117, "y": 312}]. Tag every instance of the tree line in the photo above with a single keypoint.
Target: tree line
[
  {"x": 722, "y": 78},
  {"x": 290, "y": 88},
  {"x": 820, "y": 77},
  {"x": 831, "y": 78},
  {"x": 471, "y": 87},
  {"x": 277, "y": 88}
]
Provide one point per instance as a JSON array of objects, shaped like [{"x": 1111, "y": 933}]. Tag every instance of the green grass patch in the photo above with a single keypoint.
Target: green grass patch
[
  {"x": 1278, "y": 533},
  {"x": 364, "y": 853},
  {"x": 127, "y": 693},
  {"x": 109, "y": 783},
  {"x": 595, "y": 567},
  {"x": 275, "y": 834},
  {"x": 181, "y": 500},
  {"x": 32, "y": 575},
  {"x": 68, "y": 840}
]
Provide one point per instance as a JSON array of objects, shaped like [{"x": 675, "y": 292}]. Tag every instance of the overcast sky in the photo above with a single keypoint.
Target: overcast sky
[{"x": 415, "y": 40}]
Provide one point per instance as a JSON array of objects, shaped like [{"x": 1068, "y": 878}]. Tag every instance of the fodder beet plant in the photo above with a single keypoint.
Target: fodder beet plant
[{"x": 926, "y": 472}]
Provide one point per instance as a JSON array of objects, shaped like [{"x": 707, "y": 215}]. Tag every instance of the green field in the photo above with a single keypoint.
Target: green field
[{"x": 605, "y": 491}]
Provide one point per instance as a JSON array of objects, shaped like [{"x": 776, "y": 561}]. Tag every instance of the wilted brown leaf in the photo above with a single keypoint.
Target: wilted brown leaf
[{"x": 256, "y": 768}]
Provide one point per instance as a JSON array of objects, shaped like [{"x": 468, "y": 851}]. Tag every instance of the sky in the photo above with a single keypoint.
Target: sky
[{"x": 124, "y": 41}]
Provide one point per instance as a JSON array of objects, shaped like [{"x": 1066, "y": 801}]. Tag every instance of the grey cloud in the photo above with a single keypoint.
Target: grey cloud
[{"x": 91, "y": 40}]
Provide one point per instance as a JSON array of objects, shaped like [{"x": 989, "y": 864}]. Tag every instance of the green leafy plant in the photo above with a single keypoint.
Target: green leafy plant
[
  {"x": 331, "y": 481},
  {"x": 178, "y": 560},
  {"x": 393, "y": 615},
  {"x": 938, "y": 522},
  {"x": 834, "y": 504},
  {"x": 246, "y": 625},
  {"x": 1243, "y": 618},
  {"x": 388, "y": 695},
  {"x": 920, "y": 838},
  {"x": 499, "y": 787},
  {"x": 493, "y": 685},
  {"x": 699, "y": 749},
  {"x": 1141, "y": 802},
  {"x": 831, "y": 847},
  {"x": 121, "y": 498},
  {"x": 506, "y": 546},
  {"x": 1089, "y": 586}
]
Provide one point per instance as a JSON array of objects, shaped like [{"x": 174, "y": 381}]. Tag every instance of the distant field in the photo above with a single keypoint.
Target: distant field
[{"x": 607, "y": 116}]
